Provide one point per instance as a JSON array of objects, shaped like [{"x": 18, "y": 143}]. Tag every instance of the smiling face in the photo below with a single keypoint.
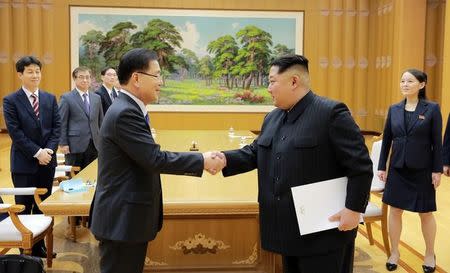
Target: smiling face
[
  {"x": 410, "y": 86},
  {"x": 31, "y": 77},
  {"x": 83, "y": 80},
  {"x": 150, "y": 83}
]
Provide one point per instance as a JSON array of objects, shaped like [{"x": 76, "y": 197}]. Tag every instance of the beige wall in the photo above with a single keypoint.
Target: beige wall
[{"x": 357, "y": 50}]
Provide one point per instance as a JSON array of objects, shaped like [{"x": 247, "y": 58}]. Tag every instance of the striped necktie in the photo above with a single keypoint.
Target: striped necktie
[{"x": 35, "y": 105}]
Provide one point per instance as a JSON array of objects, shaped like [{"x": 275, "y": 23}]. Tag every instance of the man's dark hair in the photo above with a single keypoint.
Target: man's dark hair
[
  {"x": 103, "y": 72},
  {"x": 134, "y": 60},
  {"x": 26, "y": 61},
  {"x": 79, "y": 69},
  {"x": 285, "y": 62}
]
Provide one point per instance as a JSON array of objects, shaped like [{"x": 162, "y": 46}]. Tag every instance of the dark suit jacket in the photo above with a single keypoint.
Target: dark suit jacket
[
  {"x": 318, "y": 141},
  {"x": 106, "y": 99},
  {"x": 416, "y": 147},
  {"x": 446, "y": 147},
  {"x": 77, "y": 127},
  {"x": 128, "y": 201},
  {"x": 29, "y": 134}
]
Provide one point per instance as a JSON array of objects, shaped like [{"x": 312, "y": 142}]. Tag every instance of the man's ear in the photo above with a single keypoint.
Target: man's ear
[{"x": 295, "y": 81}]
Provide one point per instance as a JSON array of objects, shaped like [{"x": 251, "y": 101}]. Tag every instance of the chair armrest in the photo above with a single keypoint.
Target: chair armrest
[
  {"x": 11, "y": 208},
  {"x": 12, "y": 211},
  {"x": 17, "y": 191},
  {"x": 38, "y": 192}
]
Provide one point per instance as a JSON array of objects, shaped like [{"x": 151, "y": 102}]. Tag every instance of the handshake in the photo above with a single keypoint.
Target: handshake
[{"x": 214, "y": 161}]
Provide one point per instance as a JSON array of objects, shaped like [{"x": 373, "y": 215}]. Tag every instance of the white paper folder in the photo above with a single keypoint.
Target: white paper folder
[{"x": 315, "y": 203}]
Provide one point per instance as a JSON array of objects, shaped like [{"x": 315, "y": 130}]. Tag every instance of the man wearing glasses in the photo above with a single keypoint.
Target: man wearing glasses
[
  {"x": 81, "y": 117},
  {"x": 107, "y": 92},
  {"x": 127, "y": 209}
]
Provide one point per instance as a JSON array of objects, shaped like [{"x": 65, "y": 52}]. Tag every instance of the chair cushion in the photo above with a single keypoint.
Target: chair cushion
[
  {"x": 36, "y": 223},
  {"x": 372, "y": 210}
]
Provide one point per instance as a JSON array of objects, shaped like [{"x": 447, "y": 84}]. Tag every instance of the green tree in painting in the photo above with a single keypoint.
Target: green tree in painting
[
  {"x": 281, "y": 50},
  {"x": 225, "y": 50},
  {"x": 192, "y": 62},
  {"x": 90, "y": 57},
  {"x": 116, "y": 42},
  {"x": 254, "y": 55},
  {"x": 161, "y": 37},
  {"x": 206, "y": 69}
]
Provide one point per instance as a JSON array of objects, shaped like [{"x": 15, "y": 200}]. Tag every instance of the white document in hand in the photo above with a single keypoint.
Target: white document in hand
[{"x": 316, "y": 202}]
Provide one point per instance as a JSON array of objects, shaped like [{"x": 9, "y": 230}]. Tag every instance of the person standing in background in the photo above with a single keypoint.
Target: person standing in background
[
  {"x": 107, "y": 91},
  {"x": 33, "y": 123},
  {"x": 413, "y": 129},
  {"x": 81, "y": 117},
  {"x": 446, "y": 149}
]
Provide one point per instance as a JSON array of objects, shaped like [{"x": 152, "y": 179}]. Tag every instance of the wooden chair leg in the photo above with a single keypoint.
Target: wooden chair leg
[
  {"x": 369, "y": 232},
  {"x": 384, "y": 230},
  {"x": 73, "y": 227},
  {"x": 84, "y": 220},
  {"x": 49, "y": 242}
]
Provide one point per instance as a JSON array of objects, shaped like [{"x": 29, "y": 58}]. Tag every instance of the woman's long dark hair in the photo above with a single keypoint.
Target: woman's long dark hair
[{"x": 421, "y": 77}]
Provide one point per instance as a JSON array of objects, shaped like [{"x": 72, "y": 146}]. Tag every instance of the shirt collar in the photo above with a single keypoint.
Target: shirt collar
[
  {"x": 299, "y": 107},
  {"x": 29, "y": 93},
  {"x": 81, "y": 92},
  {"x": 138, "y": 101},
  {"x": 107, "y": 89}
]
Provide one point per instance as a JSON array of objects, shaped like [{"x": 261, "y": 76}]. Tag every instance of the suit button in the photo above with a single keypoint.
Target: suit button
[
  {"x": 283, "y": 137},
  {"x": 278, "y": 198},
  {"x": 278, "y": 157},
  {"x": 277, "y": 179}
]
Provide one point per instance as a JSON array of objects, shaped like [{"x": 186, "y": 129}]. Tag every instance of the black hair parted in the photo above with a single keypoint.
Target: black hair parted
[
  {"x": 26, "y": 61},
  {"x": 287, "y": 61},
  {"x": 103, "y": 72},
  {"x": 421, "y": 77},
  {"x": 134, "y": 60}
]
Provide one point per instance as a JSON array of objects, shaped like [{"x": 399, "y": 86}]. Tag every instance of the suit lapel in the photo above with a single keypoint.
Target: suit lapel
[
  {"x": 106, "y": 94},
  {"x": 79, "y": 100},
  {"x": 399, "y": 116},
  {"x": 421, "y": 108},
  {"x": 26, "y": 103}
]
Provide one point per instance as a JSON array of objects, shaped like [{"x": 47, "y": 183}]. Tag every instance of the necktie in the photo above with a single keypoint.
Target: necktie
[
  {"x": 35, "y": 105},
  {"x": 147, "y": 120},
  {"x": 86, "y": 103},
  {"x": 113, "y": 94}
]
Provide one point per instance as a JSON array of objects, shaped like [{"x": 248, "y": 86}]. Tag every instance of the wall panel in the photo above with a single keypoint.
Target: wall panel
[{"x": 356, "y": 50}]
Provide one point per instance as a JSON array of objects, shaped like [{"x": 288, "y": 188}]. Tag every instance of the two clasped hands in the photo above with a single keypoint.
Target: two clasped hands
[
  {"x": 214, "y": 161},
  {"x": 44, "y": 156}
]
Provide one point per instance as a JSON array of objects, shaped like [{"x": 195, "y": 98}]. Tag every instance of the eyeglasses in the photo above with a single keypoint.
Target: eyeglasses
[
  {"x": 84, "y": 77},
  {"x": 148, "y": 74}
]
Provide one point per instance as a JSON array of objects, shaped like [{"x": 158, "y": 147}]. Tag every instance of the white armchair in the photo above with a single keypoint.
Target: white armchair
[
  {"x": 373, "y": 211},
  {"x": 22, "y": 230}
]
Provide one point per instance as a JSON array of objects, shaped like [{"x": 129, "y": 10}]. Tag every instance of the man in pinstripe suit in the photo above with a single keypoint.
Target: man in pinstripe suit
[{"x": 306, "y": 139}]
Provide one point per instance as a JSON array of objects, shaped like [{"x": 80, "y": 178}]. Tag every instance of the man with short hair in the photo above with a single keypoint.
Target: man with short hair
[
  {"x": 107, "y": 91},
  {"x": 306, "y": 139},
  {"x": 81, "y": 117},
  {"x": 33, "y": 123},
  {"x": 126, "y": 211}
]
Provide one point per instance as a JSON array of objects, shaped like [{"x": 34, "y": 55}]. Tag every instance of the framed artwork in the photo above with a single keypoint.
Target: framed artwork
[{"x": 210, "y": 60}]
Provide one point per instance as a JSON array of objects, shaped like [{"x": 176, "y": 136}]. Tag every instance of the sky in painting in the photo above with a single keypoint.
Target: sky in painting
[{"x": 197, "y": 31}]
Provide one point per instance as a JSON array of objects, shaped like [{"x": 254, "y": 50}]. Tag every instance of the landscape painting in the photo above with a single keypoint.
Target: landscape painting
[{"x": 210, "y": 60}]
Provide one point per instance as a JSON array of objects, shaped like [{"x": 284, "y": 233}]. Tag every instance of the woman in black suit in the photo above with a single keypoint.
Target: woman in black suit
[
  {"x": 446, "y": 148},
  {"x": 413, "y": 128}
]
